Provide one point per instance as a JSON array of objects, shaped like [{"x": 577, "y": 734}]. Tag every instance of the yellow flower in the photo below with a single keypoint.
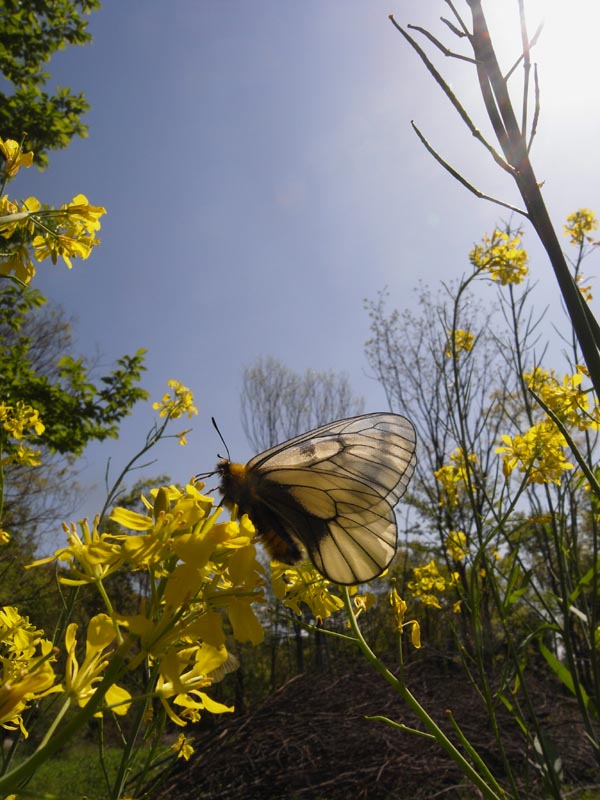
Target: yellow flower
[
  {"x": 502, "y": 256},
  {"x": 456, "y": 545},
  {"x": 183, "y": 674},
  {"x": 538, "y": 452},
  {"x": 569, "y": 401},
  {"x": 303, "y": 584},
  {"x": 579, "y": 225},
  {"x": 415, "y": 635},
  {"x": 4, "y": 537},
  {"x": 19, "y": 264},
  {"x": 427, "y": 579},
  {"x": 81, "y": 679},
  {"x": 399, "y": 608},
  {"x": 15, "y": 158},
  {"x": 83, "y": 217},
  {"x": 91, "y": 557},
  {"x": 363, "y": 602},
  {"x": 182, "y": 747},
  {"x": 586, "y": 291},
  {"x": 180, "y": 401},
  {"x": 26, "y": 672},
  {"x": 21, "y": 420},
  {"x": 459, "y": 341},
  {"x": 63, "y": 246},
  {"x": 454, "y": 477}
]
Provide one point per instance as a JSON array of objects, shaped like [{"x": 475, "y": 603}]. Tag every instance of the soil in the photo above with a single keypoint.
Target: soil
[{"x": 311, "y": 740}]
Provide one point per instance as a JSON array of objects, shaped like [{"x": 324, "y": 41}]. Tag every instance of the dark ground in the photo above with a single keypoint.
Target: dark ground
[{"x": 311, "y": 741}]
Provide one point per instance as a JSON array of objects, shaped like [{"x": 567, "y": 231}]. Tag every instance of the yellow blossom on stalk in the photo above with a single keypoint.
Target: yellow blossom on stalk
[
  {"x": 26, "y": 673},
  {"x": 579, "y": 226},
  {"x": 427, "y": 579},
  {"x": 586, "y": 291},
  {"x": 59, "y": 245},
  {"x": 15, "y": 157},
  {"x": 4, "y": 537},
  {"x": 302, "y": 583},
  {"x": 206, "y": 565},
  {"x": 457, "y": 545},
  {"x": 176, "y": 403},
  {"x": 538, "y": 452},
  {"x": 502, "y": 256},
  {"x": 7, "y": 208},
  {"x": 454, "y": 477},
  {"x": 19, "y": 264},
  {"x": 569, "y": 401},
  {"x": 20, "y": 422},
  {"x": 459, "y": 341},
  {"x": 81, "y": 217},
  {"x": 363, "y": 602},
  {"x": 176, "y": 511},
  {"x": 81, "y": 680},
  {"x": 91, "y": 556},
  {"x": 182, "y": 747},
  {"x": 184, "y": 673},
  {"x": 399, "y": 608}
]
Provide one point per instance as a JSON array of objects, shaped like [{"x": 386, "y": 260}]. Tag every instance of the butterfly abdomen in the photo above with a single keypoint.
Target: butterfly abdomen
[{"x": 239, "y": 487}]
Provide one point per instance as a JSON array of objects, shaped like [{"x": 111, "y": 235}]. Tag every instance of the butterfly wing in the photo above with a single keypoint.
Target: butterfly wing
[{"x": 334, "y": 489}]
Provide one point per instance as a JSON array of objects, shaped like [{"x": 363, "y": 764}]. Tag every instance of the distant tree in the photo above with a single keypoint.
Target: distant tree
[
  {"x": 278, "y": 403},
  {"x": 37, "y": 368},
  {"x": 30, "y": 34}
]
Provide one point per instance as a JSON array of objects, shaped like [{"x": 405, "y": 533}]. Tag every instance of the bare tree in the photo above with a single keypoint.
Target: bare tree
[{"x": 278, "y": 403}]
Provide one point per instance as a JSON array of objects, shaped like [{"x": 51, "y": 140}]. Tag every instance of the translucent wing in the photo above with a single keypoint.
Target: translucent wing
[{"x": 334, "y": 489}]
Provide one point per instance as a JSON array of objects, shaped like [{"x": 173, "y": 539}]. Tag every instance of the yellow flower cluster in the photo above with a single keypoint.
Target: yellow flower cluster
[
  {"x": 568, "y": 400},
  {"x": 199, "y": 572},
  {"x": 457, "y": 545},
  {"x": 454, "y": 477},
  {"x": 303, "y": 584},
  {"x": 427, "y": 580},
  {"x": 26, "y": 672},
  {"x": 501, "y": 256},
  {"x": 68, "y": 232},
  {"x": 459, "y": 341},
  {"x": 19, "y": 423},
  {"x": 579, "y": 226},
  {"x": 539, "y": 452}
]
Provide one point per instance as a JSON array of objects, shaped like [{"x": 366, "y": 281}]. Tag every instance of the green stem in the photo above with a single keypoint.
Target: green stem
[
  {"x": 489, "y": 788},
  {"x": 12, "y": 780}
]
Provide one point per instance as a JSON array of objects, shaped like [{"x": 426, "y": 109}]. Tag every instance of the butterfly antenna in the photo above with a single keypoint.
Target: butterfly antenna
[{"x": 216, "y": 427}]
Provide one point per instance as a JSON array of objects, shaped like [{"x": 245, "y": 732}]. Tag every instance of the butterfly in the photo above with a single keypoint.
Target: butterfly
[{"x": 330, "y": 491}]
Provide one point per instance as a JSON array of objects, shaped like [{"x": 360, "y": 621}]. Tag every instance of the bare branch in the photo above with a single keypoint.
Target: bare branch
[
  {"x": 462, "y": 179},
  {"x": 441, "y": 47},
  {"x": 452, "y": 97}
]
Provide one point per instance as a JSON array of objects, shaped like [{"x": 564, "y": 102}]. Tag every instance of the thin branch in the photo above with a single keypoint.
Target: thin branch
[
  {"x": 441, "y": 47},
  {"x": 536, "y": 113},
  {"x": 465, "y": 30},
  {"x": 532, "y": 42},
  {"x": 452, "y": 97},
  {"x": 463, "y": 180}
]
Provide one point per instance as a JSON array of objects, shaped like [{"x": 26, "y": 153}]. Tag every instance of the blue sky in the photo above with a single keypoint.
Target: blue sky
[{"x": 261, "y": 179}]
